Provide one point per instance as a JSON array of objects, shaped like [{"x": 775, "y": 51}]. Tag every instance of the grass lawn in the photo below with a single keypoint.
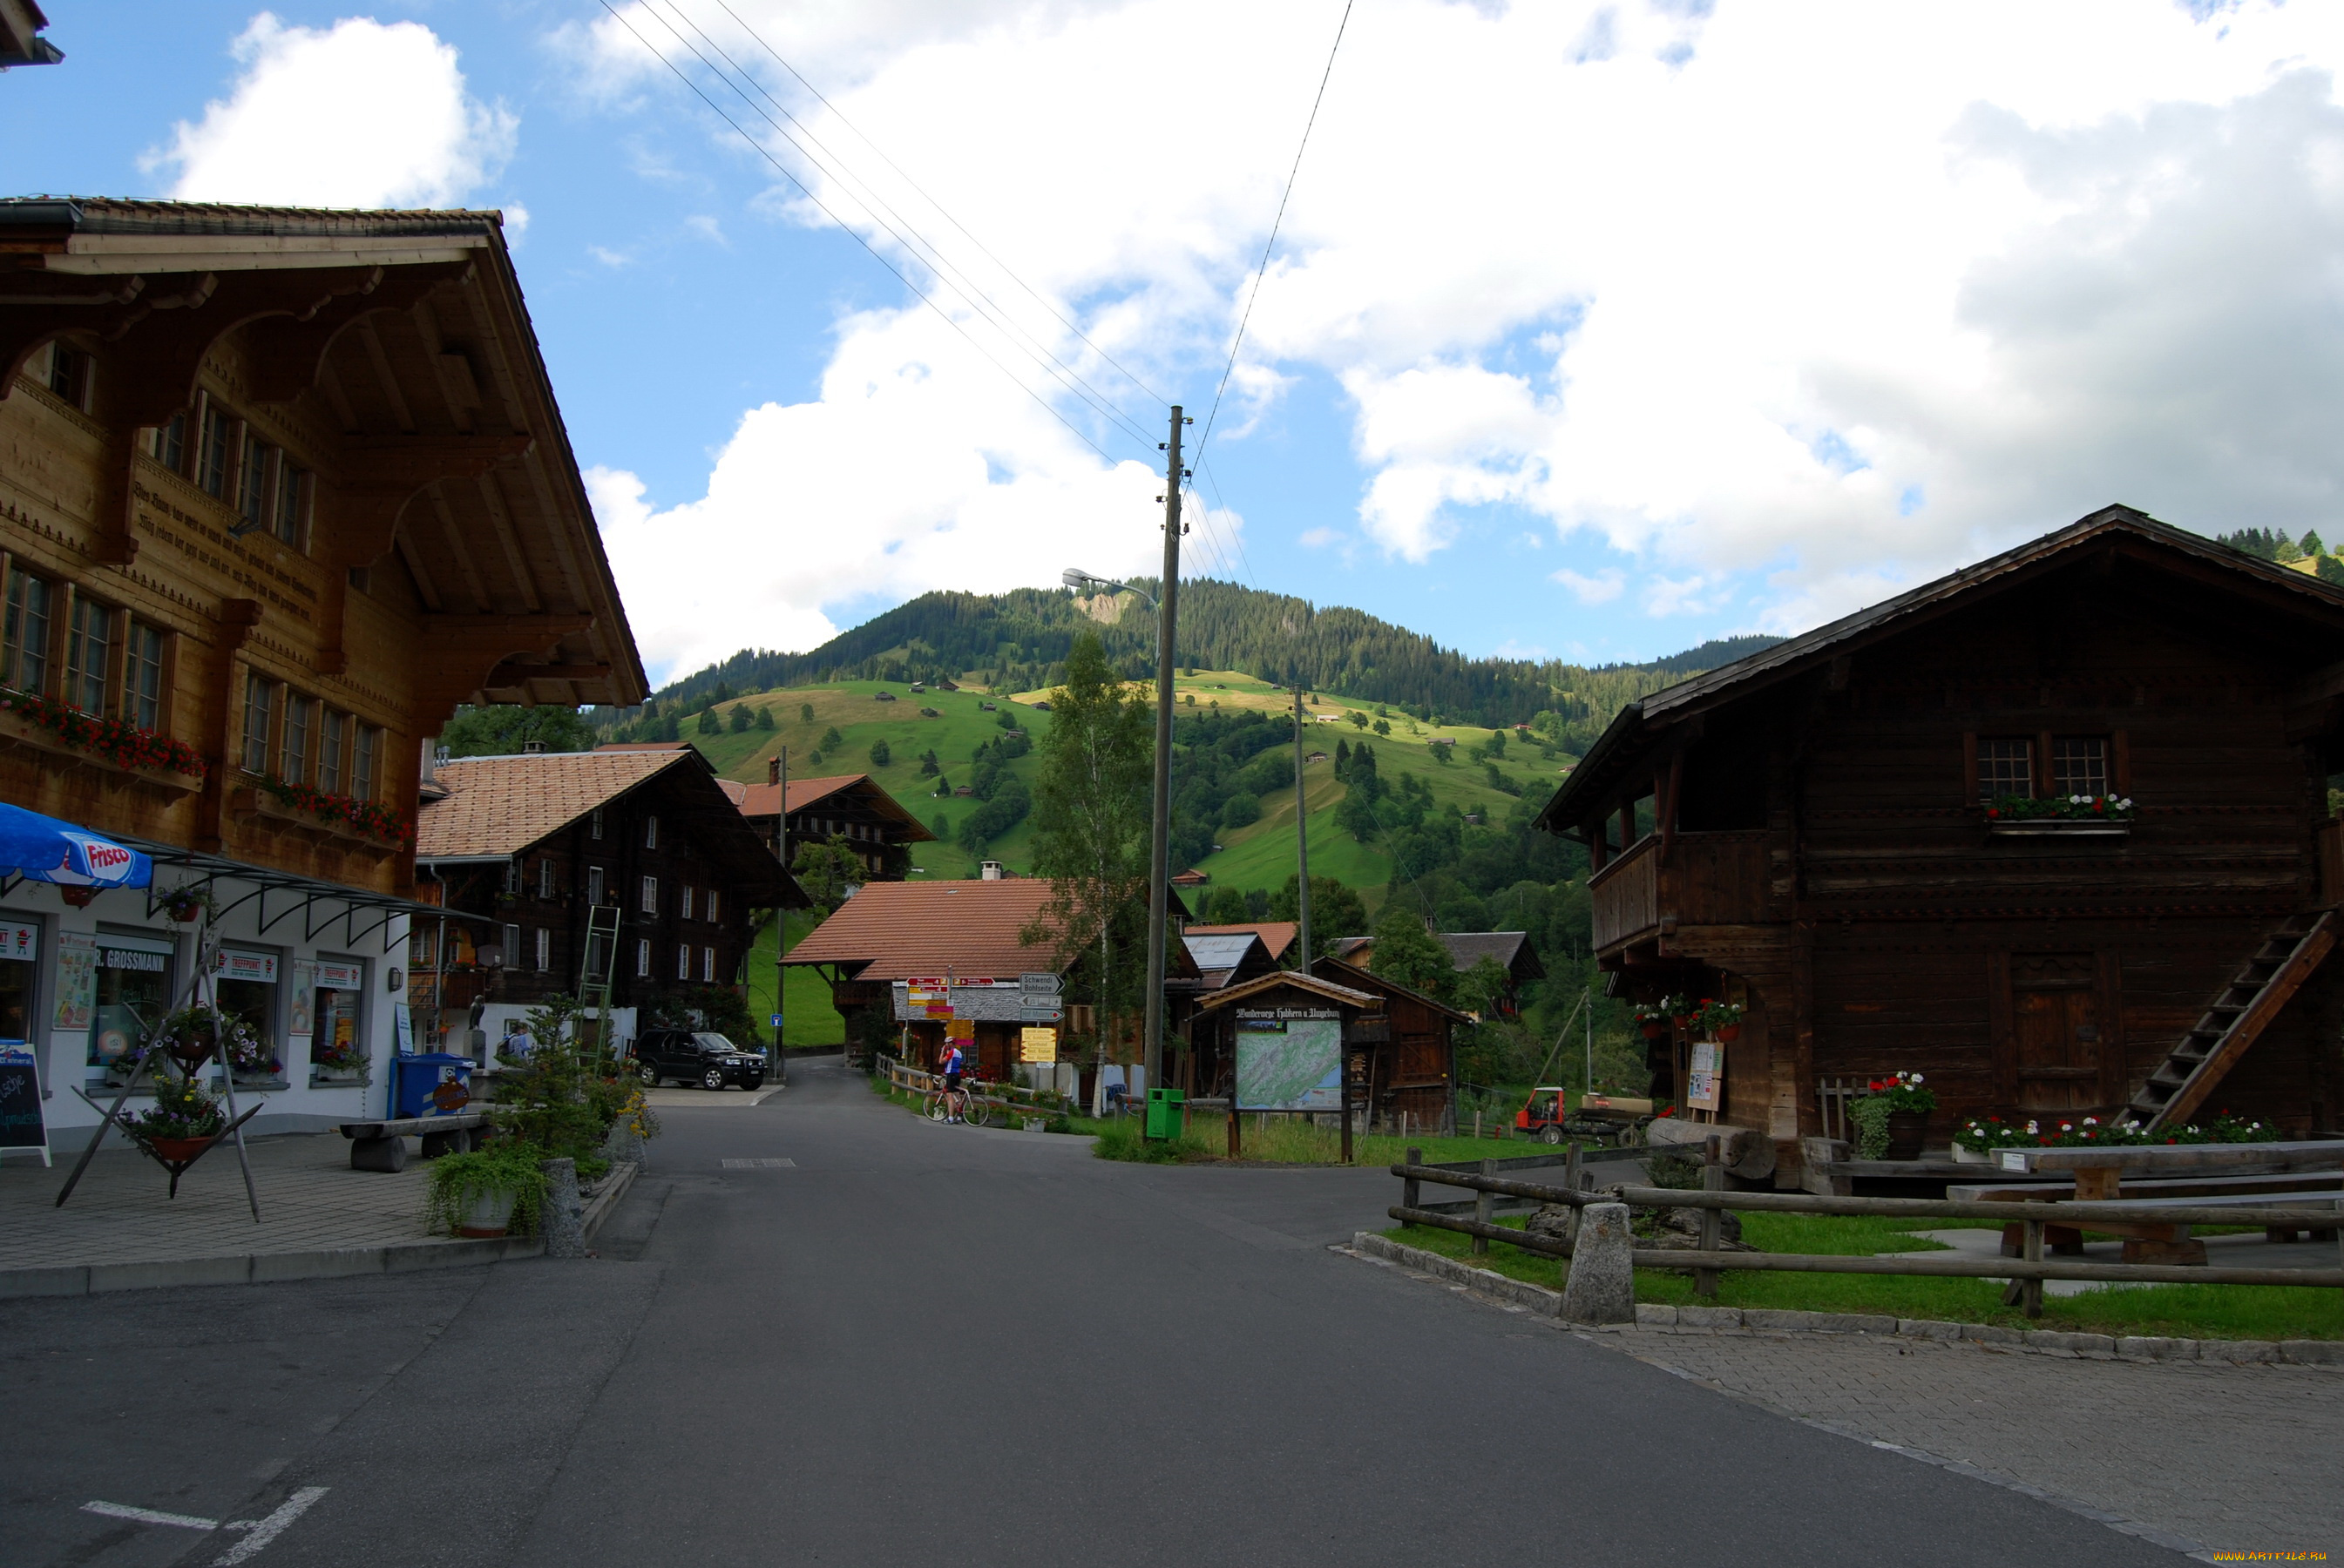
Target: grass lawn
[
  {"x": 2183, "y": 1312},
  {"x": 809, "y": 1018}
]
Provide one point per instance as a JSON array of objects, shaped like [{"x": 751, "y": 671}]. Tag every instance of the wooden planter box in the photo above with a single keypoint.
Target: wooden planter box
[
  {"x": 25, "y": 736},
  {"x": 2060, "y": 828},
  {"x": 253, "y": 804}
]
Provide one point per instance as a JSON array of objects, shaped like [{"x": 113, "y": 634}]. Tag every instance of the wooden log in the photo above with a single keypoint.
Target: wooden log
[
  {"x": 2159, "y": 1159},
  {"x": 1749, "y": 1153},
  {"x": 2074, "y": 1214},
  {"x": 1482, "y": 1210},
  {"x": 1935, "y": 1268}
]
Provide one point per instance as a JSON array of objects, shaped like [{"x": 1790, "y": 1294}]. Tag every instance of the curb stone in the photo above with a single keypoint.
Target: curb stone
[{"x": 2327, "y": 1353}]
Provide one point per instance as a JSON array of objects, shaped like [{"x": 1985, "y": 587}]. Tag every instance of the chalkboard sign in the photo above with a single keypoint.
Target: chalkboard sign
[{"x": 21, "y": 1125}]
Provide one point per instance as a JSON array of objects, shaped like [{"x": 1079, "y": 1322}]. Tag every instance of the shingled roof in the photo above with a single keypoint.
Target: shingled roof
[
  {"x": 758, "y": 799},
  {"x": 909, "y": 930},
  {"x": 502, "y": 805}
]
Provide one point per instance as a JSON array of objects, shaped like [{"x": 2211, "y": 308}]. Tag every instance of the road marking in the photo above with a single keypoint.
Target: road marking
[
  {"x": 264, "y": 1531},
  {"x": 760, "y": 1164},
  {"x": 149, "y": 1516}
]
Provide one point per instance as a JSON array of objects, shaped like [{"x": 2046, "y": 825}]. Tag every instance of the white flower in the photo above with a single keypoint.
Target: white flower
[
  {"x": 1916, "y": 1077},
  {"x": 2091, "y": 1121}
]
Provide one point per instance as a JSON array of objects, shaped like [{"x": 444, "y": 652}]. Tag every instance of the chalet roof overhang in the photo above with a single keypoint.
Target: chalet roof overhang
[
  {"x": 407, "y": 336},
  {"x": 2289, "y": 606},
  {"x": 1291, "y": 980}
]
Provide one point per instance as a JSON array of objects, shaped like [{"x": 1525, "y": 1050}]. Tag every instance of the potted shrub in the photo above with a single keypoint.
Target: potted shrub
[
  {"x": 1721, "y": 1019},
  {"x": 488, "y": 1192},
  {"x": 1893, "y": 1119}
]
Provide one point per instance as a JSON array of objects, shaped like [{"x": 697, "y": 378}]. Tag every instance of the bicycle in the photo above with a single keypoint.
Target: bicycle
[{"x": 971, "y": 1110}]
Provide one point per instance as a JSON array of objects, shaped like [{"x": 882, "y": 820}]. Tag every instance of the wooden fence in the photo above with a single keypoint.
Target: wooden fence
[{"x": 2025, "y": 1273}]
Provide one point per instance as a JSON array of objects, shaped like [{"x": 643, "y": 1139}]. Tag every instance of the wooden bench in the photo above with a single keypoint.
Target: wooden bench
[
  {"x": 382, "y": 1145},
  {"x": 2176, "y": 1174}
]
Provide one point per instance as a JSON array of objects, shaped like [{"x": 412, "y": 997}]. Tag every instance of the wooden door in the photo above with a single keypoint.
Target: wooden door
[{"x": 2054, "y": 1010}]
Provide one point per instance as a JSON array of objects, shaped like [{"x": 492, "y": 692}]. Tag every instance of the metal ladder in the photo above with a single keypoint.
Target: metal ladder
[{"x": 595, "y": 975}]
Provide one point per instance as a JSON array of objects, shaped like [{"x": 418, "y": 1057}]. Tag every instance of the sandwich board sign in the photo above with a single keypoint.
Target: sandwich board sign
[{"x": 22, "y": 1125}]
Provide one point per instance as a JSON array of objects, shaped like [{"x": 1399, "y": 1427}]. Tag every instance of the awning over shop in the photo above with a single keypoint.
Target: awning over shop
[
  {"x": 37, "y": 849},
  {"x": 320, "y": 905}
]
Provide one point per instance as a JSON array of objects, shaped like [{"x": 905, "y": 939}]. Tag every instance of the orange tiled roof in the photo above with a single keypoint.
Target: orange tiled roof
[
  {"x": 502, "y": 805},
  {"x": 909, "y": 930}
]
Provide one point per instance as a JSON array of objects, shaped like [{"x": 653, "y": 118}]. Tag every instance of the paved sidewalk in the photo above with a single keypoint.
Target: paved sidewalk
[
  {"x": 2236, "y": 1458},
  {"x": 121, "y": 1230}
]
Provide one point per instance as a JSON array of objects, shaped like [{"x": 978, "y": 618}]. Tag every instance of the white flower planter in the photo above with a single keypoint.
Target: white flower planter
[{"x": 1972, "y": 1156}]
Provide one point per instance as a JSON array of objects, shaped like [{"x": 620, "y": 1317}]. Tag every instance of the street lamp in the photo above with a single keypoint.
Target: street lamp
[{"x": 1075, "y": 577}]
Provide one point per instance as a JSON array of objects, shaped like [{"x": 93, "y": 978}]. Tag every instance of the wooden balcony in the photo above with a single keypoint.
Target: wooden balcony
[{"x": 1687, "y": 880}]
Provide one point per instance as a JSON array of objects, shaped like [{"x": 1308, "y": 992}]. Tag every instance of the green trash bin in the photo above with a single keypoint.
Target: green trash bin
[{"x": 1166, "y": 1113}]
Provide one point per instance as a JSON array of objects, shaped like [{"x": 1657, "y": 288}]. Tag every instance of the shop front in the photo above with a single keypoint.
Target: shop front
[{"x": 313, "y": 969}]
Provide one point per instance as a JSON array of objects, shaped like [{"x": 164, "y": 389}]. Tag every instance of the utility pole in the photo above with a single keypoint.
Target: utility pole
[
  {"x": 1302, "y": 846},
  {"x": 781, "y": 915},
  {"x": 1160, "y": 851}
]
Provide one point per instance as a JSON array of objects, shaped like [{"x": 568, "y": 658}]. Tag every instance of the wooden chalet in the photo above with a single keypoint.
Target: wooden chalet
[
  {"x": 1411, "y": 1071},
  {"x": 850, "y": 806},
  {"x": 1868, "y": 834},
  {"x": 531, "y": 845},
  {"x": 282, "y": 489}
]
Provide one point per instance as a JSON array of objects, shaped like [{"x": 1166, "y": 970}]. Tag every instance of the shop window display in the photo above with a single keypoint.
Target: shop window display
[
  {"x": 337, "y": 1055},
  {"x": 118, "y": 990},
  {"x": 245, "y": 987}
]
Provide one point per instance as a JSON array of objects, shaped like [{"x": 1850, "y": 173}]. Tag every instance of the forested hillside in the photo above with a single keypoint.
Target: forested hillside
[{"x": 1019, "y": 641}]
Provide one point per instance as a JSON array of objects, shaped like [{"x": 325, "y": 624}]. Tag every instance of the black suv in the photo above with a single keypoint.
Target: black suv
[{"x": 700, "y": 1057}]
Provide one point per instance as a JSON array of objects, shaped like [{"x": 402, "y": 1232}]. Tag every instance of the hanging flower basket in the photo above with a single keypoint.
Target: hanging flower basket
[{"x": 186, "y": 905}]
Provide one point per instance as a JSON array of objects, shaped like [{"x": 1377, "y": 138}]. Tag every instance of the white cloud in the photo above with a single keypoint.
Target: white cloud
[
  {"x": 358, "y": 114},
  {"x": 1319, "y": 538},
  {"x": 1717, "y": 287},
  {"x": 1601, "y": 589}
]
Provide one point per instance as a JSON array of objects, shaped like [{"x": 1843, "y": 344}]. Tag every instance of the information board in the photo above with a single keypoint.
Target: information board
[
  {"x": 1706, "y": 1082},
  {"x": 1038, "y": 1045},
  {"x": 1290, "y": 1062}
]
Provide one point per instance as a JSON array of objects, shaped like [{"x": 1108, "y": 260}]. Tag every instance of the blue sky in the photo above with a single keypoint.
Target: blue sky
[{"x": 1594, "y": 330}]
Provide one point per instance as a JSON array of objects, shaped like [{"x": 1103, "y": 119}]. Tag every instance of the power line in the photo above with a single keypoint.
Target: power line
[
  {"x": 1099, "y": 406},
  {"x": 942, "y": 211},
  {"x": 1259, "y": 272},
  {"x": 906, "y": 233}
]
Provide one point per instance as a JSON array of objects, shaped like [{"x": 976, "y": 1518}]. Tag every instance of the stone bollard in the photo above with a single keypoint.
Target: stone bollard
[
  {"x": 564, "y": 1217},
  {"x": 1601, "y": 1286}
]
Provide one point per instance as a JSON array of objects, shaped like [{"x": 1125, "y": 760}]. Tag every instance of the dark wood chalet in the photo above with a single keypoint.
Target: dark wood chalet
[
  {"x": 1847, "y": 832},
  {"x": 531, "y": 844},
  {"x": 851, "y": 806}
]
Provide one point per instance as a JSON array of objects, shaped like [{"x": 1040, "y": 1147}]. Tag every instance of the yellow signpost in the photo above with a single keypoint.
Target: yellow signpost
[{"x": 1038, "y": 1045}]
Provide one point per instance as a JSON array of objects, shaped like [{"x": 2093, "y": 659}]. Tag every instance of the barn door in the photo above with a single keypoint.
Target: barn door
[{"x": 2054, "y": 1014}]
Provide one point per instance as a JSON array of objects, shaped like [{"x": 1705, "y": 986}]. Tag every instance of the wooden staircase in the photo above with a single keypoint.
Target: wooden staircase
[{"x": 2239, "y": 1016}]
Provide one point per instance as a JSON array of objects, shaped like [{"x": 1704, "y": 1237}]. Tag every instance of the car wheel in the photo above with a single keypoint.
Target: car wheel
[
  {"x": 713, "y": 1079},
  {"x": 752, "y": 1082},
  {"x": 650, "y": 1077}
]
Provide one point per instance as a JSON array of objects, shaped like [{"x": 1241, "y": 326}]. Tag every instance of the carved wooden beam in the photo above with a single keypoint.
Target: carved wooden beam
[
  {"x": 286, "y": 351},
  {"x": 376, "y": 476}
]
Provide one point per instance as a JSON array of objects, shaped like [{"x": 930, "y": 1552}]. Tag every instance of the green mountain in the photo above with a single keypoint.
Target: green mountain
[{"x": 1018, "y": 641}]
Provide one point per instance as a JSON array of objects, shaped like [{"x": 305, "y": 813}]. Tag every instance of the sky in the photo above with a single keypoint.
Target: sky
[{"x": 1590, "y": 330}]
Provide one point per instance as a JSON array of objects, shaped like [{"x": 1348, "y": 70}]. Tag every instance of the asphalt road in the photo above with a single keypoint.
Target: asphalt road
[{"x": 921, "y": 1344}]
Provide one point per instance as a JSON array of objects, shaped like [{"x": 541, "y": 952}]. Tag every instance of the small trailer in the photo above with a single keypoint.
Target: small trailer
[{"x": 1549, "y": 1116}]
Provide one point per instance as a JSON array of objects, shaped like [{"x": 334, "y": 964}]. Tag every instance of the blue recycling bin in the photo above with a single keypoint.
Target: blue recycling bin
[{"x": 431, "y": 1083}]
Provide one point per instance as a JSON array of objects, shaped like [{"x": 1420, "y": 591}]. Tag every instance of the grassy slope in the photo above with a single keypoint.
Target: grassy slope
[
  {"x": 809, "y": 1018},
  {"x": 1261, "y": 855},
  {"x": 852, "y": 707}
]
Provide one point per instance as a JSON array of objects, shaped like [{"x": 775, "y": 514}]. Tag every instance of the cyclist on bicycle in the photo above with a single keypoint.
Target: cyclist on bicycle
[{"x": 954, "y": 1063}]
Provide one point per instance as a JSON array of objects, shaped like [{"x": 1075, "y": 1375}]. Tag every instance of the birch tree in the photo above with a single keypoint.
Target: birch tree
[{"x": 1090, "y": 834}]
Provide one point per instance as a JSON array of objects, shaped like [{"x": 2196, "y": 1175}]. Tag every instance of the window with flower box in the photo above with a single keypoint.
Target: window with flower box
[
  {"x": 301, "y": 736},
  {"x": 365, "y": 750},
  {"x": 89, "y": 642},
  {"x": 259, "y": 721},
  {"x": 2080, "y": 765},
  {"x": 24, "y": 645},
  {"x": 333, "y": 740},
  {"x": 142, "y": 676}
]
